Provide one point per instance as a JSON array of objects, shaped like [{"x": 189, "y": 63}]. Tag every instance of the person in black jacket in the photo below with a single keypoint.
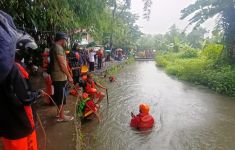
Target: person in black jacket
[
  {"x": 17, "y": 127},
  {"x": 75, "y": 62}
]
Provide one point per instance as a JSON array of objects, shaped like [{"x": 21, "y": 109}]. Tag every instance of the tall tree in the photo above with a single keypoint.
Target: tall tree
[
  {"x": 120, "y": 6},
  {"x": 101, "y": 18},
  {"x": 225, "y": 9},
  {"x": 196, "y": 37}
]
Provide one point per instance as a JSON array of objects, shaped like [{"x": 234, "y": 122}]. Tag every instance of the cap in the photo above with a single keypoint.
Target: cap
[{"x": 60, "y": 36}]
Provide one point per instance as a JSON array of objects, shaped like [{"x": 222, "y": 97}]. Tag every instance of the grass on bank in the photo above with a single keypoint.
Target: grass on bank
[{"x": 201, "y": 67}]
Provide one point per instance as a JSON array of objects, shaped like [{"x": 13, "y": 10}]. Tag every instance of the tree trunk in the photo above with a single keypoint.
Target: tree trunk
[
  {"x": 113, "y": 21},
  {"x": 229, "y": 27},
  {"x": 233, "y": 54}
]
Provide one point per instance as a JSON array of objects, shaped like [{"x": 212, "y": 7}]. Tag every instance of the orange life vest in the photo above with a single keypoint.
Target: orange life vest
[
  {"x": 28, "y": 109},
  {"x": 146, "y": 121},
  {"x": 23, "y": 71},
  {"x": 45, "y": 60},
  {"x": 89, "y": 86}
]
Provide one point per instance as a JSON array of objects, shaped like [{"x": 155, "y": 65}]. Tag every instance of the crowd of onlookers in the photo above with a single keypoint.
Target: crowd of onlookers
[
  {"x": 62, "y": 69},
  {"x": 80, "y": 55}
]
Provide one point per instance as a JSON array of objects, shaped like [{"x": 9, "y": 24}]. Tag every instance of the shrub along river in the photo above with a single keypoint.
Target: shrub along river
[{"x": 187, "y": 116}]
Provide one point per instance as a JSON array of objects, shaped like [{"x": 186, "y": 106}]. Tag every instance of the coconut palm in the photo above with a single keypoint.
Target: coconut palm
[{"x": 202, "y": 10}]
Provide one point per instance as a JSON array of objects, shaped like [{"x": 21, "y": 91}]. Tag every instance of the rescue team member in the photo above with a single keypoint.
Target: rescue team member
[
  {"x": 17, "y": 127},
  {"x": 75, "y": 62},
  {"x": 100, "y": 57},
  {"x": 111, "y": 78},
  {"x": 60, "y": 74},
  {"x": 46, "y": 76},
  {"x": 87, "y": 106},
  {"x": 143, "y": 120},
  {"x": 83, "y": 80},
  {"x": 69, "y": 68},
  {"x": 91, "y": 84}
]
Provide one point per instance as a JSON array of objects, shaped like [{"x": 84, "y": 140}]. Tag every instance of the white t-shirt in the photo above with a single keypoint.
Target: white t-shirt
[{"x": 92, "y": 56}]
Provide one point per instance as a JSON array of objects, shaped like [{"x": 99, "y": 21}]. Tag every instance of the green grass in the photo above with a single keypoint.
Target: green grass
[{"x": 200, "y": 67}]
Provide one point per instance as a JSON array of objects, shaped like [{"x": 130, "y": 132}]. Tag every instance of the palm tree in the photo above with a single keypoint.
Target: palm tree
[{"x": 225, "y": 10}]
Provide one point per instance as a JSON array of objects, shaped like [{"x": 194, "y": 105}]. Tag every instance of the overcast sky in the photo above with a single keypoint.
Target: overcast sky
[{"x": 164, "y": 13}]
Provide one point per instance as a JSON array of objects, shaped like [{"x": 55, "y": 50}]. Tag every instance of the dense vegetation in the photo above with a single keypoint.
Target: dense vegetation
[
  {"x": 202, "y": 10},
  {"x": 200, "y": 67},
  {"x": 191, "y": 57},
  {"x": 108, "y": 21}
]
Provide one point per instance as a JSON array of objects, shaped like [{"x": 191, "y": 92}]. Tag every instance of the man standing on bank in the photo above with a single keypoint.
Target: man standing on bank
[{"x": 60, "y": 74}]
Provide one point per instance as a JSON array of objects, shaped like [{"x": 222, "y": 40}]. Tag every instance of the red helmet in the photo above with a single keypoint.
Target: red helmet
[
  {"x": 67, "y": 52},
  {"x": 144, "y": 108},
  {"x": 84, "y": 77},
  {"x": 84, "y": 95},
  {"x": 93, "y": 90}
]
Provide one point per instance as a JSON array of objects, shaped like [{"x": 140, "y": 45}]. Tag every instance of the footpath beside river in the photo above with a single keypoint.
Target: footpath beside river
[{"x": 58, "y": 136}]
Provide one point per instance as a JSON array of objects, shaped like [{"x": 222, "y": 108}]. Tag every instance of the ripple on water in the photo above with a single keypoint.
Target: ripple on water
[{"x": 187, "y": 117}]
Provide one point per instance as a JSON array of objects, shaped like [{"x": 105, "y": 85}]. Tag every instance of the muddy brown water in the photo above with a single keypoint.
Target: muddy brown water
[{"x": 188, "y": 117}]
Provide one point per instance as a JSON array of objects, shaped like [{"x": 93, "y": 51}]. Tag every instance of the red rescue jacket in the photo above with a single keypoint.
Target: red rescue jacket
[
  {"x": 142, "y": 121},
  {"x": 17, "y": 117},
  {"x": 89, "y": 86}
]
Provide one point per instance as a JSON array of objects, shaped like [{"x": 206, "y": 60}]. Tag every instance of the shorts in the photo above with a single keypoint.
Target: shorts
[
  {"x": 91, "y": 66},
  {"x": 59, "y": 92}
]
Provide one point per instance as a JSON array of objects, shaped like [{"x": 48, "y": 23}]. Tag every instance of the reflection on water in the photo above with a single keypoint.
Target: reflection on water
[{"x": 187, "y": 116}]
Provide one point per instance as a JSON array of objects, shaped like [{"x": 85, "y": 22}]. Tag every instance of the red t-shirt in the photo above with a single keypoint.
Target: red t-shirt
[{"x": 99, "y": 54}]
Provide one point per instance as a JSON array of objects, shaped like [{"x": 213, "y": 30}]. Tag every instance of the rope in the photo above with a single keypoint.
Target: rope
[
  {"x": 58, "y": 109},
  {"x": 43, "y": 130},
  {"x": 51, "y": 100}
]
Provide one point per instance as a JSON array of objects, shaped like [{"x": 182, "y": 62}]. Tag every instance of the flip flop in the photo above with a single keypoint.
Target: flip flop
[
  {"x": 65, "y": 119},
  {"x": 65, "y": 112}
]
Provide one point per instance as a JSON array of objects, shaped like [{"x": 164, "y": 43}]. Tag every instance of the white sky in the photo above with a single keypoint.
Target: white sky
[{"x": 164, "y": 13}]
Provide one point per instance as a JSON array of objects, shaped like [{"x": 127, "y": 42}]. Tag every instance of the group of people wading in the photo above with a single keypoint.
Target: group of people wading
[{"x": 17, "y": 126}]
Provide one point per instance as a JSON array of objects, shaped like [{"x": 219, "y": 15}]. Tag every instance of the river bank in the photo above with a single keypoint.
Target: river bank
[
  {"x": 67, "y": 135},
  {"x": 200, "y": 67},
  {"x": 186, "y": 116}
]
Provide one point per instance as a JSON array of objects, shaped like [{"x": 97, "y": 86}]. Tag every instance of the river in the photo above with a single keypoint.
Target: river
[{"x": 187, "y": 116}]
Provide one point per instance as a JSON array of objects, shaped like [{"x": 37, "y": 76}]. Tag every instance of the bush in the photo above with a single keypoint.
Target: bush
[
  {"x": 222, "y": 80},
  {"x": 212, "y": 51},
  {"x": 174, "y": 69},
  {"x": 200, "y": 68},
  {"x": 191, "y": 53}
]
